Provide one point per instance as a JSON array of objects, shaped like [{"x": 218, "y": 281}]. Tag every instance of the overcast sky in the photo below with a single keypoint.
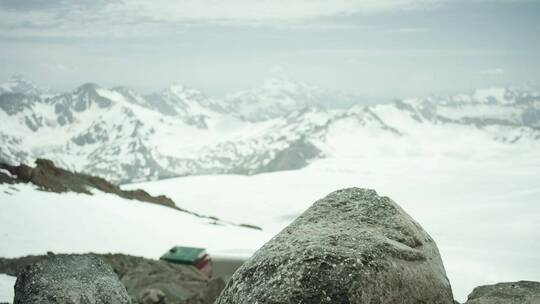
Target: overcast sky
[{"x": 383, "y": 48}]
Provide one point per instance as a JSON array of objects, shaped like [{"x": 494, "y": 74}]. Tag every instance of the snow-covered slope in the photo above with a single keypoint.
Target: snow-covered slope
[
  {"x": 7, "y": 291},
  {"x": 482, "y": 211},
  {"x": 466, "y": 166},
  {"x": 123, "y": 136},
  {"x": 480, "y": 206},
  {"x": 102, "y": 222}
]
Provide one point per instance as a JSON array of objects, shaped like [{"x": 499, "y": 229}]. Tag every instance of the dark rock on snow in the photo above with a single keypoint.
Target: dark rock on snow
[
  {"x": 51, "y": 178},
  {"x": 70, "y": 279},
  {"x": 522, "y": 292},
  {"x": 352, "y": 246},
  {"x": 48, "y": 177}
]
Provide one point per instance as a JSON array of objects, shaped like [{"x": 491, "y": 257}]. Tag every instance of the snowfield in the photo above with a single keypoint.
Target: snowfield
[
  {"x": 35, "y": 221},
  {"x": 483, "y": 214},
  {"x": 6, "y": 288},
  {"x": 466, "y": 167}
]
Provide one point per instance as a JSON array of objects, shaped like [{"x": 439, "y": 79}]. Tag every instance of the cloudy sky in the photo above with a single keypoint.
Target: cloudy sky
[{"x": 378, "y": 48}]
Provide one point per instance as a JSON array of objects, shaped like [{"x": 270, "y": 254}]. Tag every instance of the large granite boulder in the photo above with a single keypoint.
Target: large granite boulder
[
  {"x": 522, "y": 292},
  {"x": 69, "y": 279},
  {"x": 352, "y": 246}
]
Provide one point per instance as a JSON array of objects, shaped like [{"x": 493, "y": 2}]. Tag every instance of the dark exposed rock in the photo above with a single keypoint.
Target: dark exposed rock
[
  {"x": 48, "y": 177},
  {"x": 146, "y": 280},
  {"x": 522, "y": 292},
  {"x": 69, "y": 279},
  {"x": 12, "y": 103},
  {"x": 51, "y": 178},
  {"x": 6, "y": 179},
  {"x": 15, "y": 266},
  {"x": 296, "y": 156},
  {"x": 352, "y": 246}
]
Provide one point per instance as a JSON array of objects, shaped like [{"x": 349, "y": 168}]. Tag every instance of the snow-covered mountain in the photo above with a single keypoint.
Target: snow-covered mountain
[
  {"x": 276, "y": 97},
  {"x": 17, "y": 84},
  {"x": 124, "y": 136}
]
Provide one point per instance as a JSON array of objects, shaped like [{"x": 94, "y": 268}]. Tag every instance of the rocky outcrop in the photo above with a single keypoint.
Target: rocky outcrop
[
  {"x": 147, "y": 281},
  {"x": 156, "y": 281},
  {"x": 49, "y": 177},
  {"x": 352, "y": 246},
  {"x": 69, "y": 279},
  {"x": 522, "y": 292}
]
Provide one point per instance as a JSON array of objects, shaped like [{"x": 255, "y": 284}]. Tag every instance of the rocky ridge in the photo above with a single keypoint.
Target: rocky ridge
[{"x": 47, "y": 177}]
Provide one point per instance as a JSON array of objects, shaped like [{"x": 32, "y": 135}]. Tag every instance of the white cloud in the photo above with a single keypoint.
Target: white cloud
[
  {"x": 131, "y": 17},
  {"x": 494, "y": 71},
  {"x": 255, "y": 10}
]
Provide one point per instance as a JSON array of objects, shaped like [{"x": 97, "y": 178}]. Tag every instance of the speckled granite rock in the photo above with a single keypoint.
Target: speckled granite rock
[
  {"x": 352, "y": 246},
  {"x": 70, "y": 279},
  {"x": 522, "y": 292},
  {"x": 147, "y": 281}
]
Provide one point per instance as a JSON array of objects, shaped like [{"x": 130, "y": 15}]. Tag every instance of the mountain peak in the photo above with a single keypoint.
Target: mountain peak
[
  {"x": 274, "y": 98},
  {"x": 494, "y": 95},
  {"x": 184, "y": 92},
  {"x": 87, "y": 87},
  {"x": 18, "y": 84}
]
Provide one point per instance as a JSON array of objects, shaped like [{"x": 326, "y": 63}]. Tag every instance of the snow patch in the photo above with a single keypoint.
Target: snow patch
[{"x": 7, "y": 291}]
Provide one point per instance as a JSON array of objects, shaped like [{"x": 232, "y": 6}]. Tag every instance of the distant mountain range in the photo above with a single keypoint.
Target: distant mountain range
[{"x": 123, "y": 136}]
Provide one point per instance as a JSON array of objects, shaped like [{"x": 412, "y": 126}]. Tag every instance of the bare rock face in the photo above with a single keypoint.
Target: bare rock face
[
  {"x": 54, "y": 179},
  {"x": 155, "y": 281},
  {"x": 70, "y": 279},
  {"x": 352, "y": 246},
  {"x": 522, "y": 292}
]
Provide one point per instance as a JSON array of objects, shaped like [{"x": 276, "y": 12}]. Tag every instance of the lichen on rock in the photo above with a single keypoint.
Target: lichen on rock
[{"x": 353, "y": 246}]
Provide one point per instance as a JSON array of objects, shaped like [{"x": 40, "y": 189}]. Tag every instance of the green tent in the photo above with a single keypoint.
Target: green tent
[{"x": 184, "y": 255}]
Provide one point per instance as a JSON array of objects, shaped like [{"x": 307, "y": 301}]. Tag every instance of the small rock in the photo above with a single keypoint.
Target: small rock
[
  {"x": 179, "y": 284},
  {"x": 152, "y": 296},
  {"x": 69, "y": 279},
  {"x": 522, "y": 292}
]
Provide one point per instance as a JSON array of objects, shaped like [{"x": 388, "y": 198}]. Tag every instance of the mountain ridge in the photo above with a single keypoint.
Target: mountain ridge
[{"x": 125, "y": 137}]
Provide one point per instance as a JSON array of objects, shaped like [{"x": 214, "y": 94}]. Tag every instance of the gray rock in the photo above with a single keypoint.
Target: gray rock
[
  {"x": 352, "y": 246},
  {"x": 69, "y": 279},
  {"x": 522, "y": 292},
  {"x": 151, "y": 296},
  {"x": 156, "y": 281}
]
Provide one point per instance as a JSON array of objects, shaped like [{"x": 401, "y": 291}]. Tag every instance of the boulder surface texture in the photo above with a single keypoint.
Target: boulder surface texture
[
  {"x": 353, "y": 246},
  {"x": 156, "y": 282},
  {"x": 70, "y": 279},
  {"x": 522, "y": 292}
]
